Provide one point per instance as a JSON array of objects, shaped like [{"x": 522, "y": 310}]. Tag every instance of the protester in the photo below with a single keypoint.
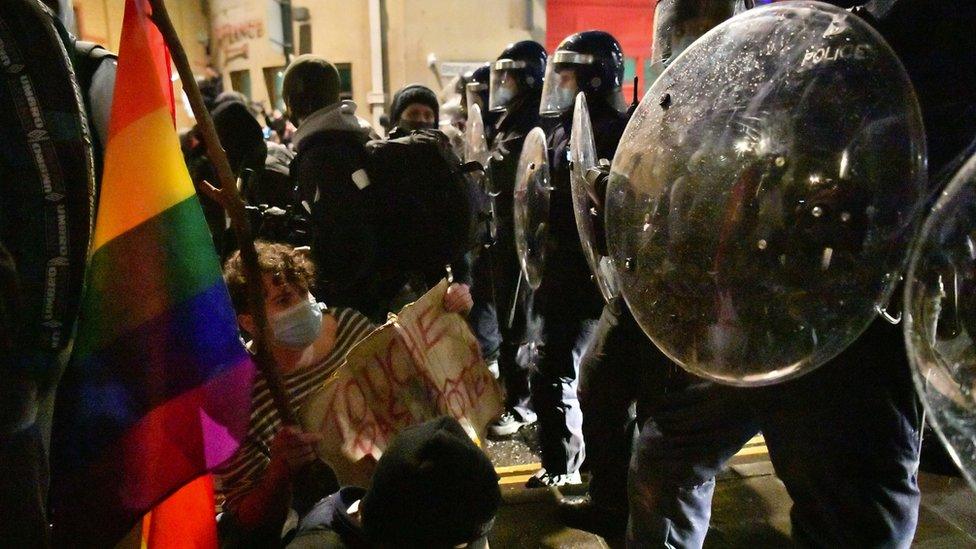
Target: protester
[
  {"x": 415, "y": 118},
  {"x": 333, "y": 186},
  {"x": 274, "y": 186},
  {"x": 95, "y": 70},
  {"x": 211, "y": 86},
  {"x": 358, "y": 218},
  {"x": 433, "y": 488},
  {"x": 414, "y": 107},
  {"x": 46, "y": 223},
  {"x": 277, "y": 122},
  {"x": 308, "y": 343},
  {"x": 268, "y": 184},
  {"x": 242, "y": 139}
]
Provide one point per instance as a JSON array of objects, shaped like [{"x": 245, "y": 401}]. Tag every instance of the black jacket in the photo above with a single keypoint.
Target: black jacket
[
  {"x": 567, "y": 285},
  {"x": 506, "y": 147},
  {"x": 335, "y": 193}
]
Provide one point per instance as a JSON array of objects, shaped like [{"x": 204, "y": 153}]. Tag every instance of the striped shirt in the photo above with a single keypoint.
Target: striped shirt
[{"x": 245, "y": 469}]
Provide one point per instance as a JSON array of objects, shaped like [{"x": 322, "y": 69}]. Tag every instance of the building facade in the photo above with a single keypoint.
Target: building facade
[
  {"x": 378, "y": 45},
  {"x": 100, "y": 21}
]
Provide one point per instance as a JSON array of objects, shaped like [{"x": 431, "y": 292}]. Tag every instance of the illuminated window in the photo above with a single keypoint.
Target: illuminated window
[
  {"x": 274, "y": 77},
  {"x": 345, "y": 80},
  {"x": 240, "y": 81}
]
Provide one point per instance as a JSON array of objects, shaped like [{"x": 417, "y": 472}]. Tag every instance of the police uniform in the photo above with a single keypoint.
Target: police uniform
[
  {"x": 845, "y": 438},
  {"x": 568, "y": 302}
]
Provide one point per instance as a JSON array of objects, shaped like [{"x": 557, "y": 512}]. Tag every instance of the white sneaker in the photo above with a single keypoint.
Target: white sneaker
[
  {"x": 509, "y": 423},
  {"x": 493, "y": 368},
  {"x": 543, "y": 479}
]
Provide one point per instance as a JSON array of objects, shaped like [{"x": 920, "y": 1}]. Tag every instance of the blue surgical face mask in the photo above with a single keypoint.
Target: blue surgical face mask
[{"x": 298, "y": 326}]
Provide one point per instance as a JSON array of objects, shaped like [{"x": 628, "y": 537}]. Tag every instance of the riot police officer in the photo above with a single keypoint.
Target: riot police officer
[
  {"x": 567, "y": 302},
  {"x": 475, "y": 92},
  {"x": 516, "y": 79},
  {"x": 844, "y": 438},
  {"x": 622, "y": 365}
]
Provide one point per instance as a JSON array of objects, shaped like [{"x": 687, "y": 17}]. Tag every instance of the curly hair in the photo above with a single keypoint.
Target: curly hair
[{"x": 284, "y": 262}]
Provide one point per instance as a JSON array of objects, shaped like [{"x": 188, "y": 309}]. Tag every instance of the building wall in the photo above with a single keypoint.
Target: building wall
[
  {"x": 460, "y": 34},
  {"x": 340, "y": 33},
  {"x": 243, "y": 34},
  {"x": 100, "y": 21},
  {"x": 459, "y": 31}
]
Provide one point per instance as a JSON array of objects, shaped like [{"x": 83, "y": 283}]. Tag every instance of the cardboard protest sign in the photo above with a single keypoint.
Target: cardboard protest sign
[{"x": 423, "y": 363}]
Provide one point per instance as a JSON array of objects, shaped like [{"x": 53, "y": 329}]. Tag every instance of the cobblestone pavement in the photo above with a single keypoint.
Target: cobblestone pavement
[{"x": 522, "y": 448}]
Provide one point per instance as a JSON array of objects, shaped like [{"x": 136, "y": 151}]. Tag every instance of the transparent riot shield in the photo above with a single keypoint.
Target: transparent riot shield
[
  {"x": 532, "y": 188},
  {"x": 476, "y": 150},
  {"x": 583, "y": 156},
  {"x": 678, "y": 23},
  {"x": 940, "y": 318},
  {"x": 763, "y": 195},
  {"x": 475, "y": 143}
]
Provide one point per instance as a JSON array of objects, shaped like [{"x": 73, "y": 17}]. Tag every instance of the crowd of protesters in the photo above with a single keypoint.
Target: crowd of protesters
[{"x": 352, "y": 225}]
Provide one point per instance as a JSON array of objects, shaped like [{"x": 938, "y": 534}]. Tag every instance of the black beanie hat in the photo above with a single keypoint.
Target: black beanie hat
[
  {"x": 310, "y": 83},
  {"x": 228, "y": 97},
  {"x": 433, "y": 487},
  {"x": 240, "y": 134},
  {"x": 408, "y": 95}
]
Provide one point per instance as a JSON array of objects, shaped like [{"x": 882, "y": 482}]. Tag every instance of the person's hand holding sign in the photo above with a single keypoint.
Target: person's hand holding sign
[
  {"x": 292, "y": 449},
  {"x": 458, "y": 299}
]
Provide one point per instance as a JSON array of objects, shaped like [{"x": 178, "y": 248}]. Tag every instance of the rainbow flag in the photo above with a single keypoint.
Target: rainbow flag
[{"x": 158, "y": 389}]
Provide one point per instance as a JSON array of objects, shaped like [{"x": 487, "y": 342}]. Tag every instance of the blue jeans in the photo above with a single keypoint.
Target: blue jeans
[{"x": 497, "y": 339}]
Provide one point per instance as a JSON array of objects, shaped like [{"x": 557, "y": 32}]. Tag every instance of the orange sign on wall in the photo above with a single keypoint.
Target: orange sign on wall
[{"x": 228, "y": 37}]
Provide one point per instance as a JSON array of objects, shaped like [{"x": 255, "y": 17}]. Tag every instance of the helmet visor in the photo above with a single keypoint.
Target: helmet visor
[
  {"x": 504, "y": 83},
  {"x": 560, "y": 87},
  {"x": 473, "y": 95}
]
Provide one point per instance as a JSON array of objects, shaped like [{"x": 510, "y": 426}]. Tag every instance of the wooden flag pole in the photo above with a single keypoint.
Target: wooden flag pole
[{"x": 228, "y": 197}]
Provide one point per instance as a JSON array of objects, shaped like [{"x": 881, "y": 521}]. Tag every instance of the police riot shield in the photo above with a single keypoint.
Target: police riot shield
[
  {"x": 940, "y": 318},
  {"x": 763, "y": 194},
  {"x": 475, "y": 143},
  {"x": 482, "y": 191},
  {"x": 678, "y": 23},
  {"x": 584, "y": 157},
  {"x": 532, "y": 188}
]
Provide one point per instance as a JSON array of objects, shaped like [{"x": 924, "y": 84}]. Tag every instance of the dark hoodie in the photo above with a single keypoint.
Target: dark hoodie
[
  {"x": 242, "y": 139},
  {"x": 334, "y": 189}
]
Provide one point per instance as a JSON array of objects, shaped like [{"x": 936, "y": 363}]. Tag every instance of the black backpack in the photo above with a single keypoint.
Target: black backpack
[
  {"x": 88, "y": 57},
  {"x": 424, "y": 211}
]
